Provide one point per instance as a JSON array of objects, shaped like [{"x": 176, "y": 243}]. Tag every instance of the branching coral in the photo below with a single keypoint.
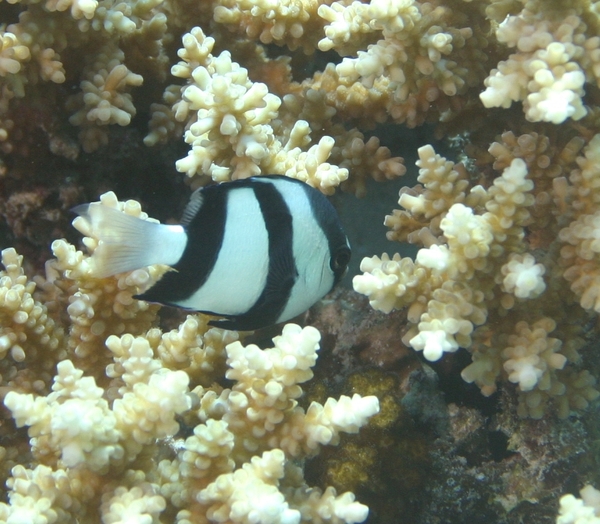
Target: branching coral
[
  {"x": 292, "y": 23},
  {"x": 409, "y": 61},
  {"x": 556, "y": 52},
  {"x": 106, "y": 443},
  {"x": 30, "y": 340},
  {"x": 75, "y": 424},
  {"x": 237, "y": 128},
  {"x": 257, "y": 414},
  {"x": 110, "y": 47},
  {"x": 36, "y": 46},
  {"x": 580, "y": 511},
  {"x": 428, "y": 56},
  {"x": 476, "y": 271},
  {"x": 98, "y": 308},
  {"x": 473, "y": 243},
  {"x": 508, "y": 267},
  {"x": 103, "y": 97}
]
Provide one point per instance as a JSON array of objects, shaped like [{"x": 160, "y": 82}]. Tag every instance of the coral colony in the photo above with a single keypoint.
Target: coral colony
[{"x": 129, "y": 422}]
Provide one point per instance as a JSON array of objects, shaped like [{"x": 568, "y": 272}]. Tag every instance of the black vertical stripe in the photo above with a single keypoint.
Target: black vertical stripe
[
  {"x": 205, "y": 233},
  {"x": 282, "y": 267},
  {"x": 205, "y": 236},
  {"x": 326, "y": 216}
]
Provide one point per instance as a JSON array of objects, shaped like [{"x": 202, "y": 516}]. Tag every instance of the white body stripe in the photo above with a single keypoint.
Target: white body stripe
[
  {"x": 311, "y": 251},
  {"x": 228, "y": 290}
]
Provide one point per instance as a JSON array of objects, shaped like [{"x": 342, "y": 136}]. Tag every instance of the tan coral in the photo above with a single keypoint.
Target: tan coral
[
  {"x": 585, "y": 510},
  {"x": 98, "y": 308},
  {"x": 54, "y": 35},
  {"x": 227, "y": 105},
  {"x": 523, "y": 277},
  {"x": 91, "y": 426},
  {"x": 268, "y": 382},
  {"x": 366, "y": 160},
  {"x": 252, "y": 489},
  {"x": 418, "y": 65},
  {"x": 444, "y": 184},
  {"x": 29, "y": 339},
  {"x": 309, "y": 108},
  {"x": 579, "y": 257},
  {"x": 474, "y": 269},
  {"x": 230, "y": 126},
  {"x": 47, "y": 494},
  {"x": 104, "y": 97},
  {"x": 349, "y": 27},
  {"x": 524, "y": 353},
  {"x": 448, "y": 320},
  {"x": 569, "y": 391},
  {"x": 547, "y": 163},
  {"x": 12, "y": 54},
  {"x": 233, "y": 107},
  {"x": 394, "y": 283},
  {"x": 555, "y": 54},
  {"x": 259, "y": 415},
  {"x": 73, "y": 424},
  {"x": 78, "y": 8},
  {"x": 488, "y": 271},
  {"x": 532, "y": 355},
  {"x": 196, "y": 348},
  {"x": 312, "y": 167},
  {"x": 290, "y": 22},
  {"x": 127, "y": 505},
  {"x": 580, "y": 238}
]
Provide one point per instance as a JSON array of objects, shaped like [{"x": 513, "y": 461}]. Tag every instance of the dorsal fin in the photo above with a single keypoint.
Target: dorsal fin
[{"x": 192, "y": 208}]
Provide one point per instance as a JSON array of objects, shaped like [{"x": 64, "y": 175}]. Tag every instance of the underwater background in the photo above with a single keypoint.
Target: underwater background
[{"x": 470, "y": 127}]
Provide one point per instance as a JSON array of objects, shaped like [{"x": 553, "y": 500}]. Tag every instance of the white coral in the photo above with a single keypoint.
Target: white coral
[
  {"x": 433, "y": 340},
  {"x": 585, "y": 510},
  {"x": 74, "y": 420},
  {"x": 523, "y": 277},
  {"x": 138, "y": 505},
  {"x": 545, "y": 72},
  {"x": 250, "y": 494},
  {"x": 323, "y": 423},
  {"x": 532, "y": 355}
]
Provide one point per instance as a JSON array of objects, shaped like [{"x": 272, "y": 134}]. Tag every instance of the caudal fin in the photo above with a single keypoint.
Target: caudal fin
[{"x": 127, "y": 243}]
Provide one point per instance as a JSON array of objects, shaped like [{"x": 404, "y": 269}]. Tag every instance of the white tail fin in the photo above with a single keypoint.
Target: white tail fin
[{"x": 127, "y": 243}]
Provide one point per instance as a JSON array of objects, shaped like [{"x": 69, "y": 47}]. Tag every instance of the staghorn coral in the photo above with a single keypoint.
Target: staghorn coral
[{"x": 106, "y": 442}]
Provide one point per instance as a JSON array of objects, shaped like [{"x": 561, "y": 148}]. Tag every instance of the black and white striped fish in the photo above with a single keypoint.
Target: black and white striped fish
[{"x": 257, "y": 251}]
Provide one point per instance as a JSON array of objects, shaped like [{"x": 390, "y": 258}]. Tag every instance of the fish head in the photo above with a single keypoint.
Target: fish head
[{"x": 340, "y": 257}]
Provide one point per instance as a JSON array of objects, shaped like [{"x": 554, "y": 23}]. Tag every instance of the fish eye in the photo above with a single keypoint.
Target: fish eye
[{"x": 340, "y": 259}]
